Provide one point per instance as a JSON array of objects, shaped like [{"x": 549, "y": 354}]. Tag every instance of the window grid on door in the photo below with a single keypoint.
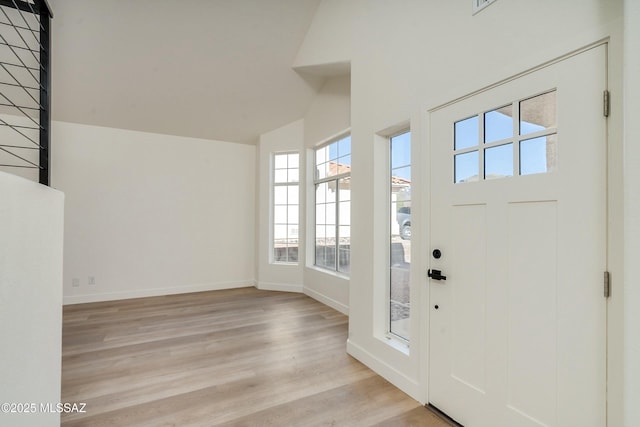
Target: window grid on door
[{"x": 519, "y": 138}]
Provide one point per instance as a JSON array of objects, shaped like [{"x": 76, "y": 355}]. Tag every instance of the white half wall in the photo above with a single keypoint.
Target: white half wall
[
  {"x": 151, "y": 214},
  {"x": 31, "y": 221}
]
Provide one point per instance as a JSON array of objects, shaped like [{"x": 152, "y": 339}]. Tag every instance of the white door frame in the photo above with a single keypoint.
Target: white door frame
[{"x": 614, "y": 162}]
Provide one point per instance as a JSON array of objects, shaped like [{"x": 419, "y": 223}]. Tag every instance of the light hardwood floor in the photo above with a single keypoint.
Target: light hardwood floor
[{"x": 240, "y": 357}]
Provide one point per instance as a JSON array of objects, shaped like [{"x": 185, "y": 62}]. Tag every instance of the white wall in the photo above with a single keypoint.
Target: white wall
[
  {"x": 151, "y": 214},
  {"x": 31, "y": 221},
  {"x": 330, "y": 112},
  {"x": 411, "y": 56},
  {"x": 328, "y": 116},
  {"x": 632, "y": 212},
  {"x": 329, "y": 52},
  {"x": 280, "y": 277}
]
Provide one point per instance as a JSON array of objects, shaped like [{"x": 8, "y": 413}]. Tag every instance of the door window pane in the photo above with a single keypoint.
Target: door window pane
[
  {"x": 498, "y": 161},
  {"x": 531, "y": 150},
  {"x": 498, "y": 124},
  {"x": 538, "y": 155},
  {"x": 466, "y": 133},
  {"x": 466, "y": 167},
  {"x": 538, "y": 113}
]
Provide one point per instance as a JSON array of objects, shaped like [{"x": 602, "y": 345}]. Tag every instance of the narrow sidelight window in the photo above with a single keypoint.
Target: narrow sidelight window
[{"x": 400, "y": 236}]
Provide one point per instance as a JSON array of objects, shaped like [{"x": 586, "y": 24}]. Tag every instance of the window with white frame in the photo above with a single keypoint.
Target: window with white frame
[
  {"x": 520, "y": 138},
  {"x": 400, "y": 234},
  {"x": 333, "y": 205},
  {"x": 286, "y": 188}
]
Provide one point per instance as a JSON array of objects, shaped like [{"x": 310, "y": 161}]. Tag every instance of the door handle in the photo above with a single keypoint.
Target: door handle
[{"x": 436, "y": 275}]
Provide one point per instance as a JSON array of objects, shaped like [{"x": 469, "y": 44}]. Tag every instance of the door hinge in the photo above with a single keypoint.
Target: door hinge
[
  {"x": 606, "y": 103},
  {"x": 607, "y": 285}
]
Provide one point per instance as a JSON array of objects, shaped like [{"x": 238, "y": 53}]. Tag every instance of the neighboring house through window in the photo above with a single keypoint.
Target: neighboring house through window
[
  {"x": 333, "y": 205},
  {"x": 400, "y": 234}
]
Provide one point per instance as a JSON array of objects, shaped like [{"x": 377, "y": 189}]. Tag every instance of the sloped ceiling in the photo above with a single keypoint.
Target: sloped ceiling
[{"x": 214, "y": 69}]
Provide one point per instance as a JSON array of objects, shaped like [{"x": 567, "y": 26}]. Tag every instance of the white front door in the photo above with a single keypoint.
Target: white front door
[{"x": 518, "y": 196}]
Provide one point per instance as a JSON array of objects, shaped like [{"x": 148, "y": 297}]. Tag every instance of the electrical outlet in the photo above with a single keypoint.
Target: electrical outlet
[
  {"x": 75, "y": 282},
  {"x": 92, "y": 280}
]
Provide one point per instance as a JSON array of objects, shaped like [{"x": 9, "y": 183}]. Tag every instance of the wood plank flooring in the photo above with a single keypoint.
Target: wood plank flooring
[{"x": 239, "y": 357}]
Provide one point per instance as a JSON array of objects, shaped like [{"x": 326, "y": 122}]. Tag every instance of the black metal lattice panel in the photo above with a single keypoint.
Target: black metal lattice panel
[{"x": 25, "y": 81}]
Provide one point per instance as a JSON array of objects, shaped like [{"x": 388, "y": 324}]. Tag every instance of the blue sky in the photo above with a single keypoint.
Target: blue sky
[
  {"x": 340, "y": 149},
  {"x": 498, "y": 160},
  {"x": 401, "y": 155}
]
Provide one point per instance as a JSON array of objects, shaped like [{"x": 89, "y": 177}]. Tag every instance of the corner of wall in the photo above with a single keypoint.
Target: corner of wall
[
  {"x": 387, "y": 371},
  {"x": 329, "y": 38}
]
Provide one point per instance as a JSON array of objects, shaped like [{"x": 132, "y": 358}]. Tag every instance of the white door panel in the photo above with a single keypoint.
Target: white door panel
[{"x": 517, "y": 329}]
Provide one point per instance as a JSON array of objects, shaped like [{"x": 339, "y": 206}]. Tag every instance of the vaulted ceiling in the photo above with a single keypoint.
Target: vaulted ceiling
[{"x": 214, "y": 69}]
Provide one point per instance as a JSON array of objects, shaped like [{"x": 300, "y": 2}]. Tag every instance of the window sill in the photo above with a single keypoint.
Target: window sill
[
  {"x": 329, "y": 272},
  {"x": 397, "y": 343},
  {"x": 284, "y": 264}
]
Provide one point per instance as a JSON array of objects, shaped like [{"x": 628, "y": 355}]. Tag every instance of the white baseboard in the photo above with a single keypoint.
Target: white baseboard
[
  {"x": 153, "y": 292},
  {"x": 281, "y": 287},
  {"x": 398, "y": 379},
  {"x": 336, "y": 305}
]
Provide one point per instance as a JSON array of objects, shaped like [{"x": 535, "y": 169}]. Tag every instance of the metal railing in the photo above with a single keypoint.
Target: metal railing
[{"x": 25, "y": 82}]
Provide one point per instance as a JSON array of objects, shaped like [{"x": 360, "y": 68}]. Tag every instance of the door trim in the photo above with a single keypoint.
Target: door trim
[
  {"x": 425, "y": 125},
  {"x": 604, "y": 41}
]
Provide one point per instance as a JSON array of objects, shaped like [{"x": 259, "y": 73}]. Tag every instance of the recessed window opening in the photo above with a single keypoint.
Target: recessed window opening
[
  {"x": 286, "y": 203},
  {"x": 333, "y": 205},
  {"x": 400, "y": 234}
]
